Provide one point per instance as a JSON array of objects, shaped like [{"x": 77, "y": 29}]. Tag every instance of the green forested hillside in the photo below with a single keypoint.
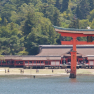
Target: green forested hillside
[{"x": 25, "y": 24}]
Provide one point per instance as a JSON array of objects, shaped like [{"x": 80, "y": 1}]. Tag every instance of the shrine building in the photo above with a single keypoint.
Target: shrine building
[{"x": 52, "y": 56}]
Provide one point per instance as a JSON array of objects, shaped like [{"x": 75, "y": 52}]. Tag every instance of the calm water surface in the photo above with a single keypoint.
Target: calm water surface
[{"x": 47, "y": 85}]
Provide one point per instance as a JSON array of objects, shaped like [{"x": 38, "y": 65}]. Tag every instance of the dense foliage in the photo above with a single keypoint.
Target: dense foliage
[{"x": 26, "y": 24}]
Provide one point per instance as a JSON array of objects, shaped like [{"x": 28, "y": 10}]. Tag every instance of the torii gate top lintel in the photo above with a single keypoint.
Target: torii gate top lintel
[{"x": 74, "y": 32}]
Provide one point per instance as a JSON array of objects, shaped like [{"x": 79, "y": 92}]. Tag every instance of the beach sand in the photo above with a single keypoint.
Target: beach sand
[{"x": 42, "y": 72}]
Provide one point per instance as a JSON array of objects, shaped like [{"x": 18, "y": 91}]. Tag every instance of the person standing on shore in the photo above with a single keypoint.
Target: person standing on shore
[
  {"x": 52, "y": 70},
  {"x": 5, "y": 70},
  {"x": 8, "y": 70}
]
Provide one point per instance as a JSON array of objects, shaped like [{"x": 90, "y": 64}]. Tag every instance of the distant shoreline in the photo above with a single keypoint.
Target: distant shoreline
[
  {"x": 40, "y": 76},
  {"x": 42, "y": 72}
]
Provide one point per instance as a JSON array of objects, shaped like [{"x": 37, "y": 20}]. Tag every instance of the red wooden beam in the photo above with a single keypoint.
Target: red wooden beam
[
  {"x": 77, "y": 43},
  {"x": 75, "y": 34}
]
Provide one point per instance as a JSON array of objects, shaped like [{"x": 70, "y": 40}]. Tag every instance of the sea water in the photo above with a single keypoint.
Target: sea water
[{"x": 47, "y": 85}]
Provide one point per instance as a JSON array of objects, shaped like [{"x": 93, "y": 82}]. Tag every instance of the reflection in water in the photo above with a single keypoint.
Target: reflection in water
[{"x": 73, "y": 80}]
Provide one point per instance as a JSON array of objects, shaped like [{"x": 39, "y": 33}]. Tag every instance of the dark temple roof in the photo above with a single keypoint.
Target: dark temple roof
[
  {"x": 60, "y": 50},
  {"x": 55, "y": 52}
]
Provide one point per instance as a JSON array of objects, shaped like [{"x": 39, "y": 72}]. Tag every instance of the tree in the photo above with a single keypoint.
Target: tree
[
  {"x": 5, "y": 22},
  {"x": 29, "y": 23},
  {"x": 64, "y": 5},
  {"x": 56, "y": 18},
  {"x": 0, "y": 20},
  {"x": 58, "y": 4},
  {"x": 74, "y": 24},
  {"x": 31, "y": 43},
  {"x": 12, "y": 26},
  {"x": 83, "y": 9},
  {"x": 6, "y": 11},
  {"x": 92, "y": 24},
  {"x": 53, "y": 14},
  {"x": 91, "y": 2},
  {"x": 67, "y": 14},
  {"x": 91, "y": 16},
  {"x": 84, "y": 23}
]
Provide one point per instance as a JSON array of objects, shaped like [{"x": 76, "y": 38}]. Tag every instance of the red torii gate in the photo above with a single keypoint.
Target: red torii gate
[{"x": 74, "y": 33}]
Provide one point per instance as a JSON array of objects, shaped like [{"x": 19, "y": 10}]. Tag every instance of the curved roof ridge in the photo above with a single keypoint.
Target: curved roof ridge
[{"x": 72, "y": 29}]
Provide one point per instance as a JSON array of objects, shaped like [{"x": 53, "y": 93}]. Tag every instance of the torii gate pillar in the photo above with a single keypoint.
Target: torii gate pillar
[
  {"x": 73, "y": 60},
  {"x": 73, "y": 65}
]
